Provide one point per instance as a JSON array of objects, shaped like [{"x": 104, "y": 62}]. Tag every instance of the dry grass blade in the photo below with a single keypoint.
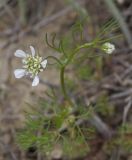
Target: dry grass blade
[{"x": 116, "y": 13}]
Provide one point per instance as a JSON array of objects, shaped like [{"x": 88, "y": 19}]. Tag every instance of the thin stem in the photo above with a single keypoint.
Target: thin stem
[
  {"x": 56, "y": 59},
  {"x": 70, "y": 58},
  {"x": 62, "y": 79}
]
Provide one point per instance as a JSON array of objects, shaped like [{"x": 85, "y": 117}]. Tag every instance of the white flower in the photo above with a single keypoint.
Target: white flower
[
  {"x": 108, "y": 47},
  {"x": 32, "y": 65}
]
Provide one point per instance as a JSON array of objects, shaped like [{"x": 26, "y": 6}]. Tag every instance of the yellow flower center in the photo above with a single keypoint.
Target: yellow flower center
[{"x": 33, "y": 64}]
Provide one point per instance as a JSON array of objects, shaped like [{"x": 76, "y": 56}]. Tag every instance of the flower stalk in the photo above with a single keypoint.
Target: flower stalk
[{"x": 62, "y": 71}]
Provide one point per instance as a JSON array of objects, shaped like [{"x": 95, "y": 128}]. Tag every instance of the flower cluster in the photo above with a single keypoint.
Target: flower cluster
[
  {"x": 108, "y": 47},
  {"x": 32, "y": 65}
]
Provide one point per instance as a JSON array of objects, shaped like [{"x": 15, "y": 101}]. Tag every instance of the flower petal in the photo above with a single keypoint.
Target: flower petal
[
  {"x": 20, "y": 53},
  {"x": 32, "y": 50},
  {"x": 19, "y": 73},
  {"x": 44, "y": 63},
  {"x": 35, "y": 81}
]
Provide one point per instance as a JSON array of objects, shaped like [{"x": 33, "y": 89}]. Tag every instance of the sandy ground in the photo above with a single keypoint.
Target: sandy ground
[{"x": 16, "y": 93}]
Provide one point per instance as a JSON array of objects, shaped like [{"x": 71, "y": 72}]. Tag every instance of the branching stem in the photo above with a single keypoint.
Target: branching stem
[
  {"x": 56, "y": 59},
  {"x": 62, "y": 72}
]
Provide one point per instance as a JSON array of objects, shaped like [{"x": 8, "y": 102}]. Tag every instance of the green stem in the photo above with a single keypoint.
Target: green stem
[
  {"x": 63, "y": 87},
  {"x": 62, "y": 72},
  {"x": 70, "y": 58},
  {"x": 56, "y": 59}
]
